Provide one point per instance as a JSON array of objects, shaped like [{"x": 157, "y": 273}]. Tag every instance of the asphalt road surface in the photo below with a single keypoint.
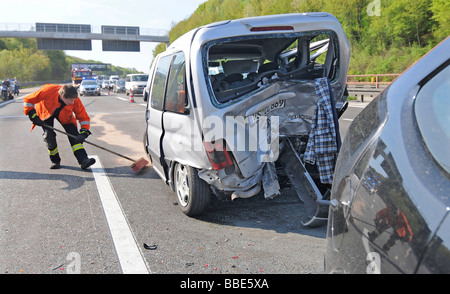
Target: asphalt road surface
[{"x": 106, "y": 220}]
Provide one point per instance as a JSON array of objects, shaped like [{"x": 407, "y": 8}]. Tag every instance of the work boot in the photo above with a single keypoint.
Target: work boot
[
  {"x": 87, "y": 162},
  {"x": 55, "y": 165}
]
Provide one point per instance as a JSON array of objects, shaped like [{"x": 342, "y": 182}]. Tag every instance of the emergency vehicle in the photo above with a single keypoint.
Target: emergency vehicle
[{"x": 78, "y": 74}]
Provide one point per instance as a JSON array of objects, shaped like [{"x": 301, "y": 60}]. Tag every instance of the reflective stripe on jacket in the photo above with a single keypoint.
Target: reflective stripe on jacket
[{"x": 45, "y": 101}]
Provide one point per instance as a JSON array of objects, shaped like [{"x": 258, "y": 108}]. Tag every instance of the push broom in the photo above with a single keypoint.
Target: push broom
[{"x": 137, "y": 165}]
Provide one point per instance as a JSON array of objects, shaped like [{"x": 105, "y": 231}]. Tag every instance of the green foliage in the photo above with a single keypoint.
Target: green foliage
[
  {"x": 385, "y": 42},
  {"x": 26, "y": 64},
  {"x": 441, "y": 16},
  {"x": 14, "y": 43},
  {"x": 389, "y": 42},
  {"x": 20, "y": 58},
  {"x": 393, "y": 60},
  {"x": 59, "y": 68}
]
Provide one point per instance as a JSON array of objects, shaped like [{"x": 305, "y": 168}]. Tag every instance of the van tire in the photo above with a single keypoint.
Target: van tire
[{"x": 193, "y": 194}]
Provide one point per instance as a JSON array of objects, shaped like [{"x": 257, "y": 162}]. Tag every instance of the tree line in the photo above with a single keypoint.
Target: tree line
[
  {"x": 19, "y": 58},
  {"x": 386, "y": 36}
]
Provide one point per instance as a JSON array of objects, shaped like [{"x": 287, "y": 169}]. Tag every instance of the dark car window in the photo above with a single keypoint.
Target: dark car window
[
  {"x": 139, "y": 78},
  {"x": 235, "y": 67},
  {"x": 159, "y": 82},
  {"x": 432, "y": 109},
  {"x": 176, "y": 99}
]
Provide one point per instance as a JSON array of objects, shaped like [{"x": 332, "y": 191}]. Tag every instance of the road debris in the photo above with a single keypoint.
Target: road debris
[{"x": 150, "y": 247}]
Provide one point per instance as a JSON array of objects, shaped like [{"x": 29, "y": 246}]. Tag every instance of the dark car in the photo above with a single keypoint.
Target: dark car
[
  {"x": 390, "y": 203},
  {"x": 119, "y": 86}
]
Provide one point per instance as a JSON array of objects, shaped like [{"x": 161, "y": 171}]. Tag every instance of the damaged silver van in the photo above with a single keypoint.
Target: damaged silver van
[{"x": 236, "y": 106}]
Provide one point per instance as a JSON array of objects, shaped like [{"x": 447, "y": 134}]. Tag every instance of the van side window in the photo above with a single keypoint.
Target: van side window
[
  {"x": 176, "y": 98},
  {"x": 159, "y": 83}
]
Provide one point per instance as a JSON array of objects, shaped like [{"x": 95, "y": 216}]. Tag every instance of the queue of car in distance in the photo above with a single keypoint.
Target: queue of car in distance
[
  {"x": 92, "y": 86},
  {"x": 132, "y": 82},
  {"x": 390, "y": 203}
]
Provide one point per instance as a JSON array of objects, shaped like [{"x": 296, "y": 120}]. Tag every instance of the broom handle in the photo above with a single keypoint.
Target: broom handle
[{"x": 103, "y": 148}]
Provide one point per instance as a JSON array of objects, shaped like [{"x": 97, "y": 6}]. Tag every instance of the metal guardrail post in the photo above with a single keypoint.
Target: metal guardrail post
[
  {"x": 368, "y": 88},
  {"x": 377, "y": 79}
]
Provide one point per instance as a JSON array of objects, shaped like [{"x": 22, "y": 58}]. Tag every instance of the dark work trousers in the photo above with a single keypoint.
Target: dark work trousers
[{"x": 50, "y": 138}]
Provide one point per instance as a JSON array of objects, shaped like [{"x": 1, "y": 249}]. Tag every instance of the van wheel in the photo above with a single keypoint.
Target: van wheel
[{"x": 192, "y": 192}]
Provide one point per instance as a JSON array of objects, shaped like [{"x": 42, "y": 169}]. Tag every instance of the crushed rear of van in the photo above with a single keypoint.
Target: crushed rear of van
[{"x": 253, "y": 95}]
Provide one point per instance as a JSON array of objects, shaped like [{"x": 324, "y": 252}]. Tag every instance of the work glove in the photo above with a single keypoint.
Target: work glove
[
  {"x": 84, "y": 133},
  {"x": 32, "y": 115}
]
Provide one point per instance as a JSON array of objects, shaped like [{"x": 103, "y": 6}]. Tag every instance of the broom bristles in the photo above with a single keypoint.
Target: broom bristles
[{"x": 139, "y": 165}]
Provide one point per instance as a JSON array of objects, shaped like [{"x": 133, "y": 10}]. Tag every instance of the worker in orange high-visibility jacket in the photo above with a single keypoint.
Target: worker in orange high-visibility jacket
[{"x": 61, "y": 103}]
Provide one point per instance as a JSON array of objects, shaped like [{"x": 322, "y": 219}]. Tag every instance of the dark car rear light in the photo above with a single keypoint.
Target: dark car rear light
[
  {"x": 218, "y": 154},
  {"x": 273, "y": 28}
]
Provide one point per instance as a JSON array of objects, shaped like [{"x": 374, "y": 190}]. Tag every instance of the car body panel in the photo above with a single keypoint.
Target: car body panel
[
  {"x": 435, "y": 259},
  {"x": 135, "y": 83},
  {"x": 119, "y": 86},
  {"x": 389, "y": 196},
  {"x": 105, "y": 84},
  {"x": 89, "y": 87}
]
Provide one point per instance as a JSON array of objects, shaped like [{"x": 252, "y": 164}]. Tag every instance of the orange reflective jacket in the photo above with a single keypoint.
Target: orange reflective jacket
[{"x": 45, "y": 101}]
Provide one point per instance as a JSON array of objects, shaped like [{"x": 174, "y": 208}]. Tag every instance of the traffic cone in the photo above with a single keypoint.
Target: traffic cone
[
  {"x": 131, "y": 96},
  {"x": 108, "y": 91}
]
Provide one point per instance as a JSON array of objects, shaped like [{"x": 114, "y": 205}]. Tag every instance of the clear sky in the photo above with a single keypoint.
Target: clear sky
[{"x": 146, "y": 14}]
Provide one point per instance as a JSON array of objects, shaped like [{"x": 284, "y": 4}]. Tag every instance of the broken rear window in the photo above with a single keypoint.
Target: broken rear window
[{"x": 236, "y": 67}]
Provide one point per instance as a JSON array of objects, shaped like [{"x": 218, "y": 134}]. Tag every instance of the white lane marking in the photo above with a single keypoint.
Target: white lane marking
[
  {"x": 125, "y": 99},
  {"x": 130, "y": 257},
  {"x": 12, "y": 100},
  {"x": 347, "y": 119},
  {"x": 6, "y": 102},
  {"x": 358, "y": 106},
  {"x": 121, "y": 98}
]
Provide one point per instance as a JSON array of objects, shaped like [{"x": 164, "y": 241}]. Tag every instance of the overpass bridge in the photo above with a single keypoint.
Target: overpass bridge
[{"x": 56, "y": 36}]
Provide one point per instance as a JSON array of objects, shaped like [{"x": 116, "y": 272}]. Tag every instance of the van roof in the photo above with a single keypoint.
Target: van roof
[{"x": 291, "y": 22}]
